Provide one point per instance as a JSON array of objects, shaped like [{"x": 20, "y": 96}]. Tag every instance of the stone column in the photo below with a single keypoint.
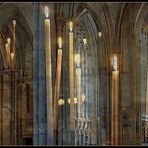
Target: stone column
[
  {"x": 7, "y": 111},
  {"x": 128, "y": 79},
  {"x": 35, "y": 71},
  {"x": 19, "y": 139},
  {"x": 108, "y": 102},
  {"x": 86, "y": 82},
  {"x": 43, "y": 119},
  {"x": 1, "y": 109},
  {"x": 58, "y": 119},
  {"x": 13, "y": 102},
  {"x": 66, "y": 86},
  {"x": 113, "y": 102},
  {"x": 40, "y": 121}
]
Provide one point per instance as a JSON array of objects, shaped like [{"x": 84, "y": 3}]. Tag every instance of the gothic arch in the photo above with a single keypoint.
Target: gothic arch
[
  {"x": 22, "y": 31},
  {"x": 140, "y": 65},
  {"x": 130, "y": 77},
  {"x": 15, "y": 87}
]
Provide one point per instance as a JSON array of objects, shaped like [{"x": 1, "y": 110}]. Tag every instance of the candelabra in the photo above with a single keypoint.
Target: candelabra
[{"x": 10, "y": 55}]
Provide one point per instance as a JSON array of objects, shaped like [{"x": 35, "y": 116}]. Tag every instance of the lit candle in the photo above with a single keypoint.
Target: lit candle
[
  {"x": 57, "y": 84},
  {"x": 8, "y": 50},
  {"x": 114, "y": 62},
  {"x": 13, "y": 60},
  {"x": 78, "y": 85},
  {"x": 71, "y": 71},
  {"x": 115, "y": 97},
  {"x": 99, "y": 34},
  {"x": 7, "y": 54},
  {"x": 84, "y": 41},
  {"x": 12, "y": 56},
  {"x": 48, "y": 73}
]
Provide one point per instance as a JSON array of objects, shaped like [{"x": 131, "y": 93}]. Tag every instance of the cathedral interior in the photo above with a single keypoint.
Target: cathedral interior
[{"x": 73, "y": 73}]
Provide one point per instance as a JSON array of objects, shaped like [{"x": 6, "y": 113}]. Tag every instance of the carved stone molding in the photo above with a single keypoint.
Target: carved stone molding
[{"x": 79, "y": 35}]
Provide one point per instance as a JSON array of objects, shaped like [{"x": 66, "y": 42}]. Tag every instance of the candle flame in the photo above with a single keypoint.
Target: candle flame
[
  {"x": 84, "y": 41},
  {"x": 83, "y": 97},
  {"x": 6, "y": 45},
  {"x": 99, "y": 34},
  {"x": 8, "y": 40},
  {"x": 70, "y": 25},
  {"x": 114, "y": 62},
  {"x": 12, "y": 56},
  {"x": 14, "y": 23},
  {"x": 46, "y": 11},
  {"x": 77, "y": 60},
  {"x": 60, "y": 42}
]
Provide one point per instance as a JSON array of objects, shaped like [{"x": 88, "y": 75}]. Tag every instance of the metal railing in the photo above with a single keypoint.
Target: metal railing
[{"x": 84, "y": 129}]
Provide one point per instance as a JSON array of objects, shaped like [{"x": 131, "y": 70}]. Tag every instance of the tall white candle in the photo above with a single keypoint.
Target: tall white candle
[
  {"x": 115, "y": 103},
  {"x": 7, "y": 54},
  {"x": 78, "y": 85},
  {"x": 71, "y": 71},
  {"x": 48, "y": 73},
  {"x": 57, "y": 84},
  {"x": 79, "y": 91},
  {"x": 13, "y": 54}
]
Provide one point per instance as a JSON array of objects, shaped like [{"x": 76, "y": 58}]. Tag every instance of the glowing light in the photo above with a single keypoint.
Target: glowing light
[
  {"x": 8, "y": 40},
  {"x": 83, "y": 97},
  {"x": 60, "y": 102},
  {"x": 114, "y": 62},
  {"x": 12, "y": 56},
  {"x": 60, "y": 42},
  {"x": 46, "y": 11},
  {"x": 6, "y": 45},
  {"x": 84, "y": 41},
  {"x": 14, "y": 23},
  {"x": 77, "y": 60},
  {"x": 99, "y": 34},
  {"x": 70, "y": 25}
]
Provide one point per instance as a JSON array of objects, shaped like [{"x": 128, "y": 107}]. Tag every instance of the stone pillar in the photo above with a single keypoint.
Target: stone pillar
[
  {"x": 35, "y": 71},
  {"x": 86, "y": 82},
  {"x": 13, "y": 102},
  {"x": 40, "y": 121},
  {"x": 7, "y": 111},
  {"x": 66, "y": 85},
  {"x": 128, "y": 79},
  {"x": 113, "y": 100},
  {"x": 19, "y": 139},
  {"x": 58, "y": 137},
  {"x": 16, "y": 108},
  {"x": 108, "y": 102},
  {"x": 43, "y": 118},
  {"x": 1, "y": 109}
]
